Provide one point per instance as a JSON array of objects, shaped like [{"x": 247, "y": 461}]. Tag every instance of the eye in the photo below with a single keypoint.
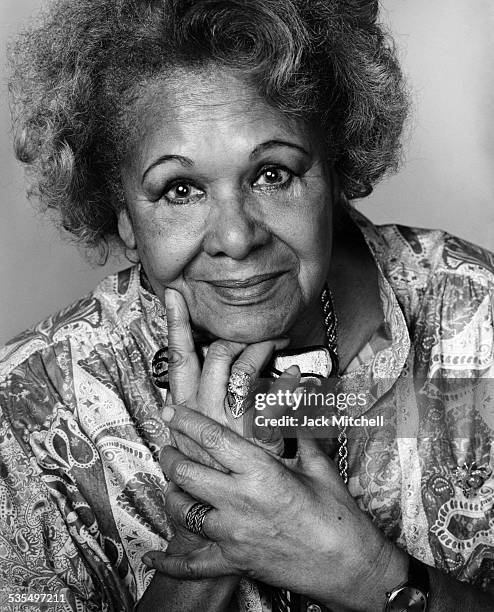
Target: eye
[
  {"x": 181, "y": 192},
  {"x": 274, "y": 177}
]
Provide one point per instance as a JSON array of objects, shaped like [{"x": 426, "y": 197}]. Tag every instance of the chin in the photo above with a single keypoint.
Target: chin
[
  {"x": 246, "y": 336},
  {"x": 247, "y": 332}
]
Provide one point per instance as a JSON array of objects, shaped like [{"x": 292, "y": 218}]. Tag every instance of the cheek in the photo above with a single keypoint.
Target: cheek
[
  {"x": 318, "y": 227},
  {"x": 309, "y": 235},
  {"x": 166, "y": 246},
  {"x": 307, "y": 229}
]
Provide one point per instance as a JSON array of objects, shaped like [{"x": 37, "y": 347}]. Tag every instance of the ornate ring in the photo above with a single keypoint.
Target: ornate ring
[
  {"x": 238, "y": 390},
  {"x": 194, "y": 519}
]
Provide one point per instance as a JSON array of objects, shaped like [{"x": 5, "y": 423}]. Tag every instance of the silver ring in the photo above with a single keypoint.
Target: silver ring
[
  {"x": 238, "y": 391},
  {"x": 195, "y": 517}
]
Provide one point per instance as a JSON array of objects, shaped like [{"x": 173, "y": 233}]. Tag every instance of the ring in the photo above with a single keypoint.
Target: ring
[
  {"x": 238, "y": 390},
  {"x": 194, "y": 519}
]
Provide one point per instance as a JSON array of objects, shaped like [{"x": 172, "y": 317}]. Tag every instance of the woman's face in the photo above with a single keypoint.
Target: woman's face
[{"x": 229, "y": 203}]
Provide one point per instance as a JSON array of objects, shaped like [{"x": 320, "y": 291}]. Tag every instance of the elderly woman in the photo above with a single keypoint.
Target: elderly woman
[{"x": 220, "y": 142}]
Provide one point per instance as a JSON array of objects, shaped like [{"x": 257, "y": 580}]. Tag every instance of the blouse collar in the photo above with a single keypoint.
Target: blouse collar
[{"x": 378, "y": 375}]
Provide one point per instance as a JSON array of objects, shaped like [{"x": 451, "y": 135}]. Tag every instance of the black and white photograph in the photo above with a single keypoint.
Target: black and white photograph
[{"x": 246, "y": 306}]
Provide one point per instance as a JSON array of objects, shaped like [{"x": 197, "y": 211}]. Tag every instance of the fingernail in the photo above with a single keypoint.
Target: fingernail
[
  {"x": 293, "y": 370},
  {"x": 169, "y": 297},
  {"x": 167, "y": 413},
  {"x": 147, "y": 559}
]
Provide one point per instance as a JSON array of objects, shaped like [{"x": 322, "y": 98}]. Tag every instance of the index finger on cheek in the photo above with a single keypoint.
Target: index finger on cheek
[{"x": 183, "y": 364}]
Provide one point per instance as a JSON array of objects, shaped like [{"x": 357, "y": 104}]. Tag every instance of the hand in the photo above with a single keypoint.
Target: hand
[
  {"x": 205, "y": 391},
  {"x": 295, "y": 527},
  {"x": 183, "y": 540}
]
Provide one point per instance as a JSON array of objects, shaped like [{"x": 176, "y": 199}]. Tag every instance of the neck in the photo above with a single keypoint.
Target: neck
[
  {"x": 353, "y": 279},
  {"x": 353, "y": 282},
  {"x": 309, "y": 329}
]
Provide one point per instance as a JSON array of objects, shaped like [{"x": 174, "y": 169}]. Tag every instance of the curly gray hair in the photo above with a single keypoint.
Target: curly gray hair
[{"x": 328, "y": 62}]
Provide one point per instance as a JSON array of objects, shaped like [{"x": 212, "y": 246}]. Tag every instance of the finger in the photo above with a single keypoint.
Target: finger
[
  {"x": 205, "y": 562},
  {"x": 193, "y": 451},
  {"x": 228, "y": 448},
  {"x": 201, "y": 482},
  {"x": 265, "y": 434},
  {"x": 248, "y": 367},
  {"x": 313, "y": 460},
  {"x": 215, "y": 373},
  {"x": 178, "y": 503},
  {"x": 184, "y": 370},
  {"x": 226, "y": 358},
  {"x": 283, "y": 387},
  {"x": 270, "y": 440},
  {"x": 310, "y": 451},
  {"x": 183, "y": 537}
]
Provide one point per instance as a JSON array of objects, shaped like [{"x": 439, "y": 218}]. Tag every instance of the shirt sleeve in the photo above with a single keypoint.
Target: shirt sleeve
[
  {"x": 454, "y": 343},
  {"x": 40, "y": 568},
  {"x": 52, "y": 555}
]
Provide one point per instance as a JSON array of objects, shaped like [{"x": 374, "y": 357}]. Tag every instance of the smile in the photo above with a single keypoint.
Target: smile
[{"x": 246, "y": 291}]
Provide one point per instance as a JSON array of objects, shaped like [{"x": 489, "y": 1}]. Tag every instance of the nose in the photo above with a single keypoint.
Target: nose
[{"x": 233, "y": 229}]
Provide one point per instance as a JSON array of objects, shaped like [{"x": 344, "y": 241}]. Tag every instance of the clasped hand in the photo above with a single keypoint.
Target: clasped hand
[{"x": 289, "y": 523}]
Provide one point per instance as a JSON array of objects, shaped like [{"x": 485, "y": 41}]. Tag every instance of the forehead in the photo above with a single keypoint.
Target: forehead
[{"x": 211, "y": 103}]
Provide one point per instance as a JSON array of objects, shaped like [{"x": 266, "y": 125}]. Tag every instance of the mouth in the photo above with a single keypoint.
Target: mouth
[
  {"x": 246, "y": 291},
  {"x": 248, "y": 282}
]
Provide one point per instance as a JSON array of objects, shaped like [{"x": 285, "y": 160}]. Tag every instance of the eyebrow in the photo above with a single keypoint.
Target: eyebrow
[
  {"x": 185, "y": 161},
  {"x": 265, "y": 146},
  {"x": 271, "y": 144}
]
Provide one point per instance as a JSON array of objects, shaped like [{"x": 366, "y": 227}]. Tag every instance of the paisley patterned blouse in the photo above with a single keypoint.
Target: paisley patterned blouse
[{"x": 81, "y": 491}]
